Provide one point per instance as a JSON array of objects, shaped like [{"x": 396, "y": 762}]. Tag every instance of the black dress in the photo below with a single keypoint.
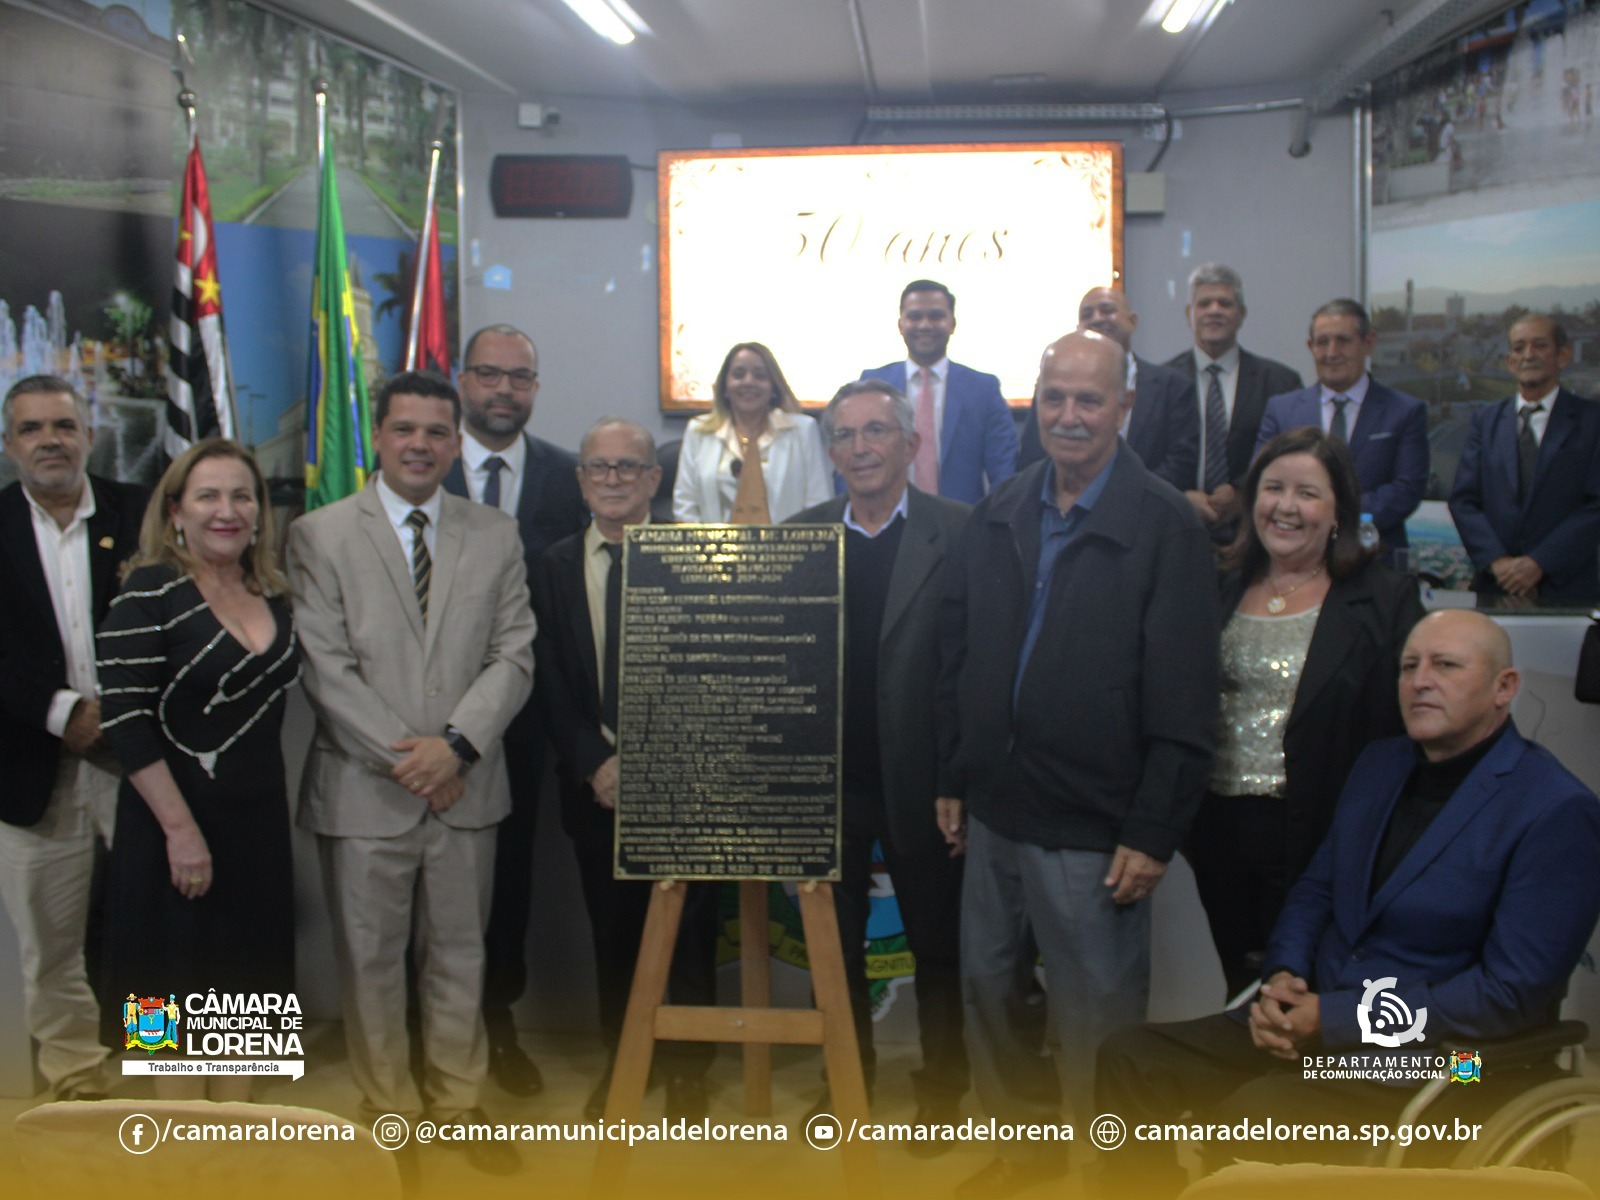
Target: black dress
[{"x": 175, "y": 685}]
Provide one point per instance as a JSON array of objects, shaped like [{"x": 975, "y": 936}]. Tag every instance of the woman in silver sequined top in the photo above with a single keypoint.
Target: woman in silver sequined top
[{"x": 1310, "y": 659}]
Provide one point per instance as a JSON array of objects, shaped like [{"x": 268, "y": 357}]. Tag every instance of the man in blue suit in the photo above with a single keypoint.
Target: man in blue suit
[
  {"x": 1386, "y": 430},
  {"x": 1163, "y": 427},
  {"x": 1527, "y": 492},
  {"x": 1452, "y": 898},
  {"x": 501, "y": 464},
  {"x": 968, "y": 435}
]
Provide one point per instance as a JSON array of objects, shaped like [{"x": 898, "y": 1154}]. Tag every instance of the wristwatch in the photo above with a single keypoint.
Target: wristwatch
[{"x": 461, "y": 747}]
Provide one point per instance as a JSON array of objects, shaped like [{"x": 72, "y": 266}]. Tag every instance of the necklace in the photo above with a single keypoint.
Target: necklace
[{"x": 1280, "y": 600}]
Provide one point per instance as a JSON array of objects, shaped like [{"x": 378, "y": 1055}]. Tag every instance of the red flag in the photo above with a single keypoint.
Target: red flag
[
  {"x": 428, "y": 348},
  {"x": 199, "y": 389}
]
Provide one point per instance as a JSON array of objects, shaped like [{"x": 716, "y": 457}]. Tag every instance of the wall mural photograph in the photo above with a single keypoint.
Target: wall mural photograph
[
  {"x": 90, "y": 175},
  {"x": 1486, "y": 198}
]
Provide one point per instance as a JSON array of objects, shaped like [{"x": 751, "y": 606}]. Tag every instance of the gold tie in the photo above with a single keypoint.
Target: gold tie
[{"x": 750, "y": 501}]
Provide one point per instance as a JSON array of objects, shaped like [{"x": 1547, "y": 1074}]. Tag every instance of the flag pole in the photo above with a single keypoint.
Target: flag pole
[
  {"x": 420, "y": 266},
  {"x": 186, "y": 96}
]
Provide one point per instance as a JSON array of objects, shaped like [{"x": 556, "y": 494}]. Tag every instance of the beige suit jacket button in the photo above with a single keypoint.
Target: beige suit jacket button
[{"x": 433, "y": 691}]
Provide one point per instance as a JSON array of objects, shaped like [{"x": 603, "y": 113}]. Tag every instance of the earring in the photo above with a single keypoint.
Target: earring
[
  {"x": 254, "y": 533},
  {"x": 182, "y": 541},
  {"x": 1334, "y": 532}
]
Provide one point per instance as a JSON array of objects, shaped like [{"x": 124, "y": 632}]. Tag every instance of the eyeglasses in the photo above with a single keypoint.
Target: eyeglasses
[
  {"x": 490, "y": 376},
  {"x": 876, "y": 433},
  {"x": 596, "y": 470}
]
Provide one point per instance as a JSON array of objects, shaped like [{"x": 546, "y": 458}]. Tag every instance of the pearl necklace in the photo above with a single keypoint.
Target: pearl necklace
[{"x": 1280, "y": 600}]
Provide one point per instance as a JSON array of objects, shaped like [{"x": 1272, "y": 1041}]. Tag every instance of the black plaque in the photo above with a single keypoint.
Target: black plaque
[{"x": 730, "y": 698}]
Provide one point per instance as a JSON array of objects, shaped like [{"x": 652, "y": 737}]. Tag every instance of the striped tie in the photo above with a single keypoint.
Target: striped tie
[
  {"x": 1215, "y": 466},
  {"x": 421, "y": 560}
]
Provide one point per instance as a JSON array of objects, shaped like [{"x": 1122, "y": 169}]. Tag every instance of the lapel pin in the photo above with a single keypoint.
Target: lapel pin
[{"x": 106, "y": 543}]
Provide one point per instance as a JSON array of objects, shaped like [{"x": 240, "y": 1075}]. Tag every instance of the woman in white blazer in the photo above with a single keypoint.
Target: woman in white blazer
[{"x": 751, "y": 399}]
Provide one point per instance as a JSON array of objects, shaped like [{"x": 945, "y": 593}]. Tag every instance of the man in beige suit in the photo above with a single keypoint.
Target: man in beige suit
[{"x": 412, "y": 608}]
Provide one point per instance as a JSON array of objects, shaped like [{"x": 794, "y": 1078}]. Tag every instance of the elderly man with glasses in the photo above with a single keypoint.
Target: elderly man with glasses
[
  {"x": 577, "y": 596},
  {"x": 897, "y": 539}
]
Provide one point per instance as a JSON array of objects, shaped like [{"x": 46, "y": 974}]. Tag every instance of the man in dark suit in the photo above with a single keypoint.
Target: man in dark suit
[
  {"x": 1078, "y": 679},
  {"x": 1452, "y": 898},
  {"x": 1527, "y": 491},
  {"x": 1386, "y": 430},
  {"x": 896, "y": 541},
  {"x": 62, "y": 535},
  {"x": 577, "y": 596},
  {"x": 1163, "y": 427},
  {"x": 501, "y": 464},
  {"x": 968, "y": 435},
  {"x": 1232, "y": 387}
]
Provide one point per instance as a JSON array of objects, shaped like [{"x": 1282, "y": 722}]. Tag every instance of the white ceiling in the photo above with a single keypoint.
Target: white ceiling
[{"x": 917, "y": 51}]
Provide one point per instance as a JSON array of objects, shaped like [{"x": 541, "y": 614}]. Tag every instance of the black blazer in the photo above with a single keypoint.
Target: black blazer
[
  {"x": 1164, "y": 428},
  {"x": 566, "y": 683},
  {"x": 550, "y": 506},
  {"x": 1259, "y": 379},
  {"x": 1348, "y": 693},
  {"x": 908, "y": 663},
  {"x": 1109, "y": 740},
  {"x": 33, "y": 663}
]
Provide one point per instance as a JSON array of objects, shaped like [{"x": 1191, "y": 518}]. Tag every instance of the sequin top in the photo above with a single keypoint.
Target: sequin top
[{"x": 1262, "y": 658}]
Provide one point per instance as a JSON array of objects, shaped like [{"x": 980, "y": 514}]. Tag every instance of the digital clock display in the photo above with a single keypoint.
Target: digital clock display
[{"x": 561, "y": 185}]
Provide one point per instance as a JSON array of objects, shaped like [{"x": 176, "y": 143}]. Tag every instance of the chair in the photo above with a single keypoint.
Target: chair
[{"x": 1533, "y": 1124}]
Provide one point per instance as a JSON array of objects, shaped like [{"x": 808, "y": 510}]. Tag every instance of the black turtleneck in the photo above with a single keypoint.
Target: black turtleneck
[{"x": 1424, "y": 796}]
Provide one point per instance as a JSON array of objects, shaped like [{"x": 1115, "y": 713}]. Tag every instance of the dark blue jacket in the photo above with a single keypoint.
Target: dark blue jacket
[
  {"x": 1481, "y": 923},
  {"x": 978, "y": 437},
  {"x": 1110, "y": 741},
  {"x": 1559, "y": 527}
]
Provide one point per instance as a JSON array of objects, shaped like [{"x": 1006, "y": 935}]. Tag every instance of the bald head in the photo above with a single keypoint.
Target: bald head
[
  {"x": 1081, "y": 397},
  {"x": 1457, "y": 681},
  {"x": 1106, "y": 310}
]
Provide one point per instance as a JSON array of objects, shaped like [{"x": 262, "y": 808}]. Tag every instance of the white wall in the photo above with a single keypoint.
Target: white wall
[{"x": 586, "y": 289}]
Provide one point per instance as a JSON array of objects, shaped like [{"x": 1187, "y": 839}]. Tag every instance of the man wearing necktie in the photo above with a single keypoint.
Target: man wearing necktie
[
  {"x": 1527, "y": 491},
  {"x": 1233, "y": 387},
  {"x": 412, "y": 610},
  {"x": 577, "y": 594},
  {"x": 505, "y": 467},
  {"x": 1163, "y": 425},
  {"x": 1386, "y": 430},
  {"x": 969, "y": 439}
]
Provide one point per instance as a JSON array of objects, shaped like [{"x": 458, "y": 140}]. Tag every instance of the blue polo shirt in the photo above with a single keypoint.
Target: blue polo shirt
[{"x": 1056, "y": 533}]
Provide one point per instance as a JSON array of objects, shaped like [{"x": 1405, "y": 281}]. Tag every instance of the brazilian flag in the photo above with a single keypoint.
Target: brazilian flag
[{"x": 338, "y": 421}]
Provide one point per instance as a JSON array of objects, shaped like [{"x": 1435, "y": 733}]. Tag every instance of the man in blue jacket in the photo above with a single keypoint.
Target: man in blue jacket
[
  {"x": 1386, "y": 430},
  {"x": 965, "y": 425},
  {"x": 1452, "y": 898},
  {"x": 1527, "y": 491}
]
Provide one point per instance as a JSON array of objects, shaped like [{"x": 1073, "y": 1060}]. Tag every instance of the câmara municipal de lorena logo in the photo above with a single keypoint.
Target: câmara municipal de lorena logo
[{"x": 151, "y": 1023}]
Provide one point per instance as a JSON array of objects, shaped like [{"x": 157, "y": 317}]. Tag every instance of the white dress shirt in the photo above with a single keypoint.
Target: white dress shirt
[
  {"x": 1357, "y": 394},
  {"x": 849, "y": 517},
  {"x": 1539, "y": 419},
  {"x": 397, "y": 508},
  {"x": 473, "y": 455},
  {"x": 64, "y": 555}
]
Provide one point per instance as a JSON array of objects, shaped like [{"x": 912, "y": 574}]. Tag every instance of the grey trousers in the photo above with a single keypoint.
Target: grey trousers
[
  {"x": 1096, "y": 963},
  {"x": 430, "y": 885}
]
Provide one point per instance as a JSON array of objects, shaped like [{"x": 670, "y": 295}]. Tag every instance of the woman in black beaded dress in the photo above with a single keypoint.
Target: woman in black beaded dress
[{"x": 194, "y": 660}]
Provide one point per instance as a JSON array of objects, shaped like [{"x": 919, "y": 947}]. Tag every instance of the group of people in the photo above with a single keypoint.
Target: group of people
[{"x": 1165, "y": 632}]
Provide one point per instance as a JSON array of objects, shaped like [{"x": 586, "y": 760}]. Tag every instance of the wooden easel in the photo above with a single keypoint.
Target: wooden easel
[{"x": 755, "y": 1024}]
